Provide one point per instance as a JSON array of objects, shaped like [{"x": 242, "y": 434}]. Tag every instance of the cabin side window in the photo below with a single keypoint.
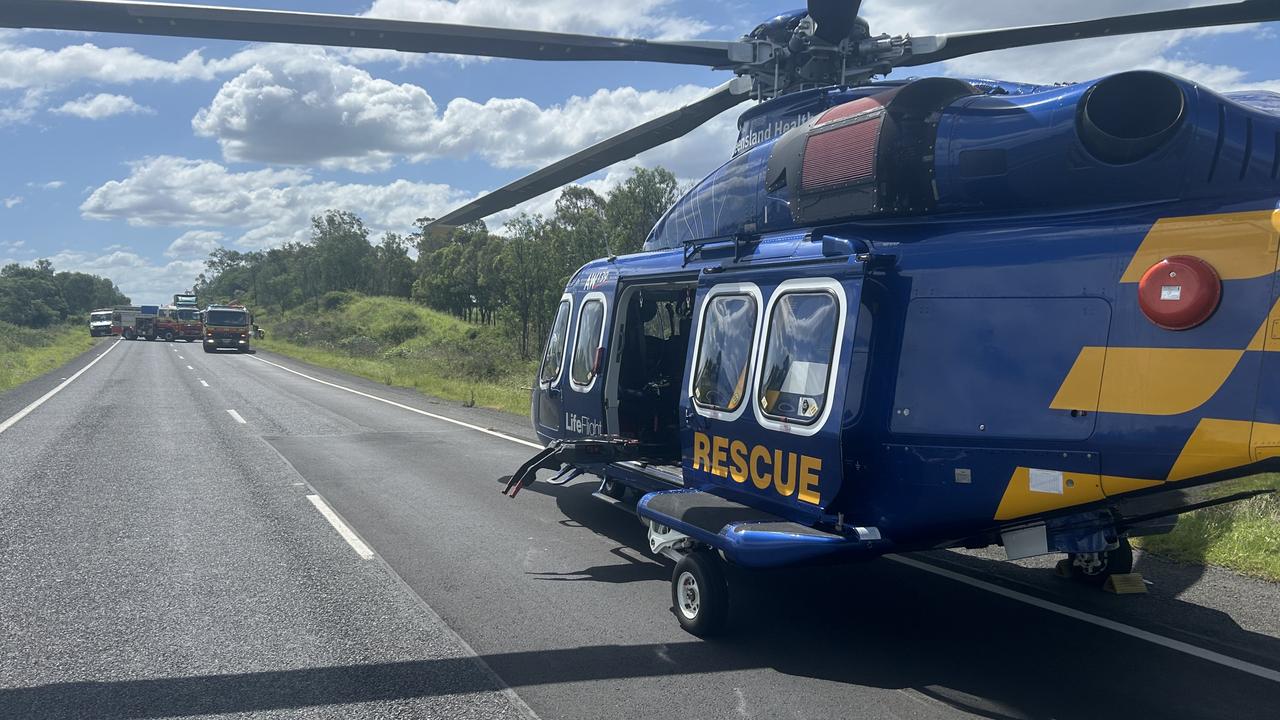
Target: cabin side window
[
  {"x": 724, "y": 351},
  {"x": 553, "y": 357},
  {"x": 798, "y": 356},
  {"x": 590, "y": 331}
]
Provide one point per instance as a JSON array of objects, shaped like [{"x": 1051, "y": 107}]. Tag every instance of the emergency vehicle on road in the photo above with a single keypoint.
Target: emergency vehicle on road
[{"x": 227, "y": 326}]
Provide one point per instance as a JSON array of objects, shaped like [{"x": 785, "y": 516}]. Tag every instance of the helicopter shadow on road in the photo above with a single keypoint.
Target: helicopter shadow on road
[{"x": 882, "y": 624}]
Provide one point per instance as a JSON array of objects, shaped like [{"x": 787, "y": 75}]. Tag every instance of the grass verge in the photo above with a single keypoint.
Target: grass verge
[
  {"x": 1243, "y": 536},
  {"x": 26, "y": 354},
  {"x": 395, "y": 342}
]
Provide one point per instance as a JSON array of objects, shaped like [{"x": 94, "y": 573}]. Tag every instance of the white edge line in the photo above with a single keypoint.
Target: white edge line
[
  {"x": 237, "y": 417},
  {"x": 352, "y": 539},
  {"x": 1177, "y": 645},
  {"x": 44, "y": 398},
  {"x": 442, "y": 418},
  {"x": 1170, "y": 643}
]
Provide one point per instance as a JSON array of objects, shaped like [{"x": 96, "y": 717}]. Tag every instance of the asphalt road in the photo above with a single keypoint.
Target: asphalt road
[{"x": 161, "y": 558}]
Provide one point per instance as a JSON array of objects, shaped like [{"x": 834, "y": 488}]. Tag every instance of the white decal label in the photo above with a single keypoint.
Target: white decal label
[
  {"x": 1171, "y": 292},
  {"x": 1046, "y": 481}
]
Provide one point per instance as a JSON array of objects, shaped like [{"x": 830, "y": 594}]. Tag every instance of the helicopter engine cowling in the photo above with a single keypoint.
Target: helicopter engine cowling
[{"x": 1138, "y": 136}]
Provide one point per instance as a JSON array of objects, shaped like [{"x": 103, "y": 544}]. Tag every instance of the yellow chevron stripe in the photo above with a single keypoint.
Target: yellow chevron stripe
[
  {"x": 1144, "y": 381},
  {"x": 1238, "y": 245}
]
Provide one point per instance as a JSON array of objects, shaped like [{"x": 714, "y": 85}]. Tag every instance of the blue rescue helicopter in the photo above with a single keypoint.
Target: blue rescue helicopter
[{"x": 926, "y": 313}]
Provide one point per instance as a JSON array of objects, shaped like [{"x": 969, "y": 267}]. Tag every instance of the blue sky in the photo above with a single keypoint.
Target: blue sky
[{"x": 131, "y": 157}]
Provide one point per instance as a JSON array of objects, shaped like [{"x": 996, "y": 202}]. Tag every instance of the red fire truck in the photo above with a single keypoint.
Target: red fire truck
[
  {"x": 228, "y": 326},
  {"x": 179, "y": 323}
]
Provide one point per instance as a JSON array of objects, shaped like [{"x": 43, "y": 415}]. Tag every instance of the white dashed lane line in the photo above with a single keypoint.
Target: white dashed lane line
[
  {"x": 237, "y": 417},
  {"x": 346, "y": 532},
  {"x": 190, "y": 368},
  {"x": 204, "y": 383}
]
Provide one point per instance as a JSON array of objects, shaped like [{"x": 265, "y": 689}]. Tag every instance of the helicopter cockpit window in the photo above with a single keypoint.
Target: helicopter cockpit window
[
  {"x": 553, "y": 358},
  {"x": 798, "y": 356},
  {"x": 728, "y": 330},
  {"x": 590, "y": 330}
]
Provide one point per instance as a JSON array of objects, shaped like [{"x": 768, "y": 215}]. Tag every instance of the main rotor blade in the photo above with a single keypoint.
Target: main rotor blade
[
  {"x": 651, "y": 134},
  {"x": 224, "y": 23},
  {"x": 834, "y": 18},
  {"x": 960, "y": 44}
]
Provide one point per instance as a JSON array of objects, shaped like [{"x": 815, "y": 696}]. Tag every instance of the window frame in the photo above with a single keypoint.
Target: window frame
[
  {"x": 577, "y": 333},
  {"x": 805, "y": 286},
  {"x": 564, "y": 347},
  {"x": 740, "y": 288}
]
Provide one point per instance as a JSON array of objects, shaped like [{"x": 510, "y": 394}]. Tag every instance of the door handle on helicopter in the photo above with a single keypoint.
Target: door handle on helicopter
[{"x": 691, "y": 417}]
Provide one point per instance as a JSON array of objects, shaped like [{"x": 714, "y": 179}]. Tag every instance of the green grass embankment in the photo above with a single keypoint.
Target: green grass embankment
[
  {"x": 1243, "y": 536},
  {"x": 26, "y": 354},
  {"x": 396, "y": 342}
]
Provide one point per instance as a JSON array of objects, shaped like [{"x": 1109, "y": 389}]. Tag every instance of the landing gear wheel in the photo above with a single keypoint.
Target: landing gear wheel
[
  {"x": 209, "y": 349},
  {"x": 130, "y": 335},
  {"x": 1095, "y": 568},
  {"x": 168, "y": 336},
  {"x": 700, "y": 594}
]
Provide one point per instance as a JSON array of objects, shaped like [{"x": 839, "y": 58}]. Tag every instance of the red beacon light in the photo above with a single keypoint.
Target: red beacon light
[{"x": 1180, "y": 292}]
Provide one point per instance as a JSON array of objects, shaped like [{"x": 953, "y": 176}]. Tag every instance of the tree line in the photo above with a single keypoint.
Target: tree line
[
  {"x": 512, "y": 278},
  {"x": 38, "y": 297}
]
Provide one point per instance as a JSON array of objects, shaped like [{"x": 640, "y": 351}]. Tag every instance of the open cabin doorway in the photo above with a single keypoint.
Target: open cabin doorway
[{"x": 648, "y": 364}]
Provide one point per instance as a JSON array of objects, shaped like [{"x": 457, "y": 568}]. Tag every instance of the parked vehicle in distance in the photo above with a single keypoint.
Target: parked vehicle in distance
[
  {"x": 179, "y": 323},
  {"x": 227, "y": 326},
  {"x": 100, "y": 322},
  {"x": 123, "y": 319}
]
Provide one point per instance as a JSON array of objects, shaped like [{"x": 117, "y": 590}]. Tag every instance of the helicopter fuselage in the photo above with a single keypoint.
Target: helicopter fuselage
[{"x": 943, "y": 375}]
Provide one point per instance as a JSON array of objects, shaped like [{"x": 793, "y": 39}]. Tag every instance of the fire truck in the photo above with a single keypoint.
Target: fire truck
[
  {"x": 180, "y": 321},
  {"x": 227, "y": 326},
  {"x": 134, "y": 322}
]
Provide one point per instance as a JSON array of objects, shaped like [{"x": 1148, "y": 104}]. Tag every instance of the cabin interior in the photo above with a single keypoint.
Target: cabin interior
[{"x": 651, "y": 342}]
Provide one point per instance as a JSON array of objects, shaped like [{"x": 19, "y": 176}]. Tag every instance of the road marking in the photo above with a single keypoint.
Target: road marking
[
  {"x": 44, "y": 398},
  {"x": 1123, "y": 629},
  {"x": 204, "y": 383},
  {"x": 190, "y": 368},
  {"x": 352, "y": 539},
  {"x": 180, "y": 357},
  {"x": 239, "y": 419},
  {"x": 1177, "y": 645},
  {"x": 442, "y": 418}
]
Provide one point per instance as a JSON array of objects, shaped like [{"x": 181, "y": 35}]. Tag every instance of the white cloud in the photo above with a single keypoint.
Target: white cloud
[
  {"x": 51, "y": 185},
  {"x": 102, "y": 105},
  {"x": 312, "y": 109},
  {"x": 143, "y": 280},
  {"x": 196, "y": 243},
  {"x": 1069, "y": 61},
  {"x": 271, "y": 206},
  {"x": 25, "y": 67},
  {"x": 626, "y": 18},
  {"x": 24, "y": 107},
  {"x": 12, "y": 202}
]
